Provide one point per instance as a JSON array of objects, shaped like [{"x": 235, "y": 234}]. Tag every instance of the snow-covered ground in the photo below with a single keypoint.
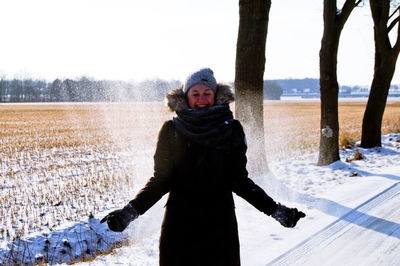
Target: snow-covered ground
[{"x": 331, "y": 229}]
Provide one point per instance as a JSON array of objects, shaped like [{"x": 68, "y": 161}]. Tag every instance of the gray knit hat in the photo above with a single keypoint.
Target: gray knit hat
[{"x": 203, "y": 76}]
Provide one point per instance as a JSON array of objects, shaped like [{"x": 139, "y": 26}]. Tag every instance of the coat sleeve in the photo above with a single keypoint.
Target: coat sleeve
[
  {"x": 242, "y": 185},
  {"x": 160, "y": 183}
]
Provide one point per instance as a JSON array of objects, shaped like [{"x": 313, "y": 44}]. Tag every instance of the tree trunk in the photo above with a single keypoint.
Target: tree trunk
[
  {"x": 250, "y": 64},
  {"x": 372, "y": 121},
  {"x": 333, "y": 25},
  {"x": 385, "y": 64},
  {"x": 329, "y": 138}
]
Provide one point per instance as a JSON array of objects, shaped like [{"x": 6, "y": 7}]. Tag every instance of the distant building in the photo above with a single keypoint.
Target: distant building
[
  {"x": 309, "y": 88},
  {"x": 394, "y": 91}
]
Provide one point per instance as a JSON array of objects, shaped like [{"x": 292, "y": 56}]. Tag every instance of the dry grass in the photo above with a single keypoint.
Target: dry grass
[
  {"x": 27, "y": 127},
  {"x": 357, "y": 156},
  {"x": 59, "y": 163},
  {"x": 49, "y": 126},
  {"x": 292, "y": 127},
  {"x": 111, "y": 250}
]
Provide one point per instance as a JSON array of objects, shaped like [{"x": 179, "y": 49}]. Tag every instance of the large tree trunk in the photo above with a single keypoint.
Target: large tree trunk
[
  {"x": 385, "y": 64},
  {"x": 328, "y": 145},
  {"x": 250, "y": 64},
  {"x": 333, "y": 25}
]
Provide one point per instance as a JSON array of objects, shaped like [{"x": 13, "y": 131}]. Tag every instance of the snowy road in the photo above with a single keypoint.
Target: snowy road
[{"x": 368, "y": 235}]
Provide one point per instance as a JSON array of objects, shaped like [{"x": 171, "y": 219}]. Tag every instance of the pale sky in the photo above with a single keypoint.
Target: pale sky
[{"x": 136, "y": 40}]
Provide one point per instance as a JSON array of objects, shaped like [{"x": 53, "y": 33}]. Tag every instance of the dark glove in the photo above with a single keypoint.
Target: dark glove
[
  {"x": 288, "y": 217},
  {"x": 118, "y": 220}
]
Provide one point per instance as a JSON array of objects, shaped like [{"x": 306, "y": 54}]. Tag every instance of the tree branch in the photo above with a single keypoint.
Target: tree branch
[
  {"x": 348, "y": 7},
  {"x": 393, "y": 23},
  {"x": 396, "y": 47},
  {"x": 394, "y": 12}
]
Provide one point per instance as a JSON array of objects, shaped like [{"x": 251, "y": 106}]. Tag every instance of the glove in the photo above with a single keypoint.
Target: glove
[
  {"x": 118, "y": 220},
  {"x": 288, "y": 217}
]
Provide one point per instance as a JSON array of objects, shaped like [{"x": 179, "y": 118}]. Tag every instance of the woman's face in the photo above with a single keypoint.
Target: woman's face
[{"x": 200, "y": 96}]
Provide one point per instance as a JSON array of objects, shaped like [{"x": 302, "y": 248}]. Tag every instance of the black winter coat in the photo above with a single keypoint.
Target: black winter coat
[{"x": 199, "y": 226}]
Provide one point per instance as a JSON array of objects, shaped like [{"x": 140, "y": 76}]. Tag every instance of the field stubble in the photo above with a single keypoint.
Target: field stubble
[
  {"x": 292, "y": 127},
  {"x": 62, "y": 162}
]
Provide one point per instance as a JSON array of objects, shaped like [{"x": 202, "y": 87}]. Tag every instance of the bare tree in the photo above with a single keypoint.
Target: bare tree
[
  {"x": 334, "y": 21},
  {"x": 385, "y": 20},
  {"x": 250, "y": 64},
  {"x": 3, "y": 88}
]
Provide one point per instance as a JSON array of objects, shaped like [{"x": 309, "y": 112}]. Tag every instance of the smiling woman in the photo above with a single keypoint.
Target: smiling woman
[
  {"x": 200, "y": 96},
  {"x": 200, "y": 160},
  {"x": 200, "y": 89}
]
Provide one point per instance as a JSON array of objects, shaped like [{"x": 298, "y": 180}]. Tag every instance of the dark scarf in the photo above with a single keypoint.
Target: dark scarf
[{"x": 211, "y": 127}]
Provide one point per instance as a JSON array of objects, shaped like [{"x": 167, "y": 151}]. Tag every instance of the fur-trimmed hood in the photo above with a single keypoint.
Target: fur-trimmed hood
[{"x": 176, "y": 99}]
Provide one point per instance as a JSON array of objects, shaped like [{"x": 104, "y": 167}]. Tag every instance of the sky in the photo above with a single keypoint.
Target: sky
[{"x": 138, "y": 40}]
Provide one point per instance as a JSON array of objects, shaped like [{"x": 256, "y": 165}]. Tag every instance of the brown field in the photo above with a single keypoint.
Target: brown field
[
  {"x": 295, "y": 125},
  {"x": 290, "y": 126}
]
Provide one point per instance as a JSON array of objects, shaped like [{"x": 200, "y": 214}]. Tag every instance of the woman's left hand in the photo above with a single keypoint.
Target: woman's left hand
[{"x": 288, "y": 217}]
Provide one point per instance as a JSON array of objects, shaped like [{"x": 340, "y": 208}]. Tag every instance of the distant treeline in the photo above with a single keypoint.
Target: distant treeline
[
  {"x": 83, "y": 90},
  {"x": 86, "y": 89},
  {"x": 301, "y": 84}
]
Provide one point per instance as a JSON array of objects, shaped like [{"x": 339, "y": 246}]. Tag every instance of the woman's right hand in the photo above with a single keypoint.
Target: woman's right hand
[{"x": 118, "y": 220}]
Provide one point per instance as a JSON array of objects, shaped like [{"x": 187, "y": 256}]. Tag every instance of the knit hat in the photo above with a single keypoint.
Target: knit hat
[{"x": 204, "y": 76}]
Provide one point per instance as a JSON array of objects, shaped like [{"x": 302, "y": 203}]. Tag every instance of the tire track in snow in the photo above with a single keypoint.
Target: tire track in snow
[{"x": 334, "y": 230}]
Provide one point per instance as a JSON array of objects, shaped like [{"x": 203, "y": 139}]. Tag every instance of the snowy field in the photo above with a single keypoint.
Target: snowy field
[
  {"x": 62, "y": 171},
  {"x": 325, "y": 194}
]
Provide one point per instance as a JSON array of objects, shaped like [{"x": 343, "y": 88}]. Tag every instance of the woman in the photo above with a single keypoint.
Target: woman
[{"x": 200, "y": 160}]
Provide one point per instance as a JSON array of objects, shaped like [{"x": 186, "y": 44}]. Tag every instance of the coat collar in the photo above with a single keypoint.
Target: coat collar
[{"x": 176, "y": 99}]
